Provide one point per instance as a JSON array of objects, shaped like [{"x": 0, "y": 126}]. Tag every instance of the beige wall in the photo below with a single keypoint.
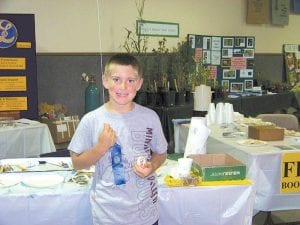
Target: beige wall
[{"x": 72, "y": 25}]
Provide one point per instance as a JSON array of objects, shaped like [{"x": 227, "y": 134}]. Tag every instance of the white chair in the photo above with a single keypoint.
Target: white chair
[{"x": 287, "y": 121}]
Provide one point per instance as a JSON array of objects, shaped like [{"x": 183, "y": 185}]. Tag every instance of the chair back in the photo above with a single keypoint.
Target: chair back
[{"x": 287, "y": 121}]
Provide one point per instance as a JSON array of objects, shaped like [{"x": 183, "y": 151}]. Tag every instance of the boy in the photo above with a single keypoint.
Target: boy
[{"x": 112, "y": 138}]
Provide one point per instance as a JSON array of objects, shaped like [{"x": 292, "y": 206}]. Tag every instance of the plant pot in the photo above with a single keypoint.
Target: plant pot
[
  {"x": 168, "y": 98},
  {"x": 202, "y": 98},
  {"x": 180, "y": 98},
  {"x": 151, "y": 98},
  {"x": 141, "y": 98},
  {"x": 189, "y": 97}
]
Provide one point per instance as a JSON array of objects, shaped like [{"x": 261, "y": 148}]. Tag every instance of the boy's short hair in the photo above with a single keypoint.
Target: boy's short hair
[{"x": 123, "y": 59}]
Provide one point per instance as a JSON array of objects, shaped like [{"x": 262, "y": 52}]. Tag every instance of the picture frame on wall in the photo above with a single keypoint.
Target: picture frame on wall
[
  {"x": 228, "y": 42},
  {"x": 206, "y": 57},
  {"x": 207, "y": 43},
  {"x": 236, "y": 87},
  {"x": 192, "y": 40},
  {"x": 248, "y": 84},
  {"x": 225, "y": 85},
  {"x": 229, "y": 74},
  {"x": 246, "y": 73},
  {"x": 240, "y": 42},
  {"x": 237, "y": 52},
  {"x": 250, "y": 63},
  {"x": 248, "y": 53},
  {"x": 227, "y": 53},
  {"x": 226, "y": 63},
  {"x": 250, "y": 42}
]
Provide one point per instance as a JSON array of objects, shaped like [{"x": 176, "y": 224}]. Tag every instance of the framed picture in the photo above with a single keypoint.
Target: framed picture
[
  {"x": 226, "y": 63},
  {"x": 248, "y": 53},
  {"x": 240, "y": 42},
  {"x": 229, "y": 74},
  {"x": 225, "y": 85},
  {"x": 227, "y": 42},
  {"x": 207, "y": 43},
  {"x": 250, "y": 42},
  {"x": 236, "y": 87},
  {"x": 237, "y": 52},
  {"x": 247, "y": 73},
  {"x": 206, "y": 57},
  {"x": 250, "y": 63},
  {"x": 192, "y": 40},
  {"x": 248, "y": 84},
  {"x": 227, "y": 52}
]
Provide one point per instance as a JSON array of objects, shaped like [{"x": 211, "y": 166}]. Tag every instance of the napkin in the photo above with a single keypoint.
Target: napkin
[{"x": 197, "y": 137}]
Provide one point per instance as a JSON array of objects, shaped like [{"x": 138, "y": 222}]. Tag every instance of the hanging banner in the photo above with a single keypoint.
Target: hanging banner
[
  {"x": 280, "y": 12},
  {"x": 290, "y": 172},
  {"x": 18, "y": 70},
  {"x": 258, "y": 11}
]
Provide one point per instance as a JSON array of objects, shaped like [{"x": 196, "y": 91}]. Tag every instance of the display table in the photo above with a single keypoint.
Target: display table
[
  {"x": 68, "y": 203},
  {"x": 263, "y": 166},
  {"x": 26, "y": 139},
  {"x": 249, "y": 106}
]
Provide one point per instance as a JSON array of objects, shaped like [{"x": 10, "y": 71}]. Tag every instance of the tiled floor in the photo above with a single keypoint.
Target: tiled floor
[{"x": 290, "y": 217}]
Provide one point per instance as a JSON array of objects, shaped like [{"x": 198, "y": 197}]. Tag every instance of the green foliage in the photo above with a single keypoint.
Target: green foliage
[
  {"x": 134, "y": 42},
  {"x": 199, "y": 74}
]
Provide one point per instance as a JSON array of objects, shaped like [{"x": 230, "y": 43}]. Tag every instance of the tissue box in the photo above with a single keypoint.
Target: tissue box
[
  {"x": 62, "y": 130},
  {"x": 266, "y": 133},
  {"x": 219, "y": 167}
]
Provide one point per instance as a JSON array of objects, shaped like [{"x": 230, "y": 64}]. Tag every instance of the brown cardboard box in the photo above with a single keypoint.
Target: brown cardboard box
[
  {"x": 266, "y": 133},
  {"x": 62, "y": 130},
  {"x": 218, "y": 167}
]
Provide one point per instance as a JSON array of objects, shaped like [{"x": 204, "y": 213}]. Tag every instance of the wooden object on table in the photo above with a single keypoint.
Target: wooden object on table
[{"x": 266, "y": 133}]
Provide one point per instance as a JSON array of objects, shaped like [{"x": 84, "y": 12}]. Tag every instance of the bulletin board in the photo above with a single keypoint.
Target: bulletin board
[
  {"x": 229, "y": 58},
  {"x": 18, "y": 71},
  {"x": 291, "y": 54}
]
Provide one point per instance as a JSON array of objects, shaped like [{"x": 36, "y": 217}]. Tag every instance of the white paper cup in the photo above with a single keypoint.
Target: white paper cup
[{"x": 184, "y": 167}]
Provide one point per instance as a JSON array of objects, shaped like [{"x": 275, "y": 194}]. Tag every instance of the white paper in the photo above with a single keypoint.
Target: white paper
[{"x": 197, "y": 137}]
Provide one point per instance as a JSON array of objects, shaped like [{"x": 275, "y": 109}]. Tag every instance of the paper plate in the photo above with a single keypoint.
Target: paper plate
[
  {"x": 8, "y": 180},
  {"x": 42, "y": 180},
  {"x": 252, "y": 143}
]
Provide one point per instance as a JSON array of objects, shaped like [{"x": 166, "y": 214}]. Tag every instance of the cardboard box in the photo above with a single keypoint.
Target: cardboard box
[
  {"x": 62, "y": 130},
  {"x": 266, "y": 133},
  {"x": 219, "y": 167}
]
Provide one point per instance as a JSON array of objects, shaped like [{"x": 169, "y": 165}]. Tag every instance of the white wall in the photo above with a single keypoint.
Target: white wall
[{"x": 72, "y": 25}]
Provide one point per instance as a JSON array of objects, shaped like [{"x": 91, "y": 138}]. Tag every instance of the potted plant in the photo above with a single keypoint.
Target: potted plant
[
  {"x": 160, "y": 70},
  {"x": 199, "y": 78},
  {"x": 180, "y": 71}
]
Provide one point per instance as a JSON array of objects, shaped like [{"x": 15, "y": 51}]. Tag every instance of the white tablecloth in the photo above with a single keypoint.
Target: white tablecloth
[
  {"x": 27, "y": 139},
  {"x": 263, "y": 166},
  {"x": 68, "y": 204}
]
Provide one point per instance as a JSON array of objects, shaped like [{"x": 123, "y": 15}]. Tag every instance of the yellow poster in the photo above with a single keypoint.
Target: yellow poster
[
  {"x": 13, "y": 83},
  {"x": 290, "y": 172},
  {"x": 13, "y": 103},
  {"x": 12, "y": 63}
]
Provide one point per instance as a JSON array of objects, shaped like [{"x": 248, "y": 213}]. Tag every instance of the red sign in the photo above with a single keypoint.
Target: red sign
[
  {"x": 238, "y": 63},
  {"x": 213, "y": 72}
]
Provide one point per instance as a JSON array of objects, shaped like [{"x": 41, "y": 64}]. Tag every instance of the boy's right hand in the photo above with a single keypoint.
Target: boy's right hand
[{"x": 107, "y": 137}]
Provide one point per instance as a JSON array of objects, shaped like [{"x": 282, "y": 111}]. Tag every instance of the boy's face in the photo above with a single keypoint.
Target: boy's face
[{"x": 122, "y": 84}]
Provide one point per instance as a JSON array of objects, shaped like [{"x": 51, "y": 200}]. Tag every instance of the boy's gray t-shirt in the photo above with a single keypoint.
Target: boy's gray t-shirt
[{"x": 138, "y": 132}]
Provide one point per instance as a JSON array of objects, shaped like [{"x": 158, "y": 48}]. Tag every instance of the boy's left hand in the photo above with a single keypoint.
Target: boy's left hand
[{"x": 143, "y": 170}]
